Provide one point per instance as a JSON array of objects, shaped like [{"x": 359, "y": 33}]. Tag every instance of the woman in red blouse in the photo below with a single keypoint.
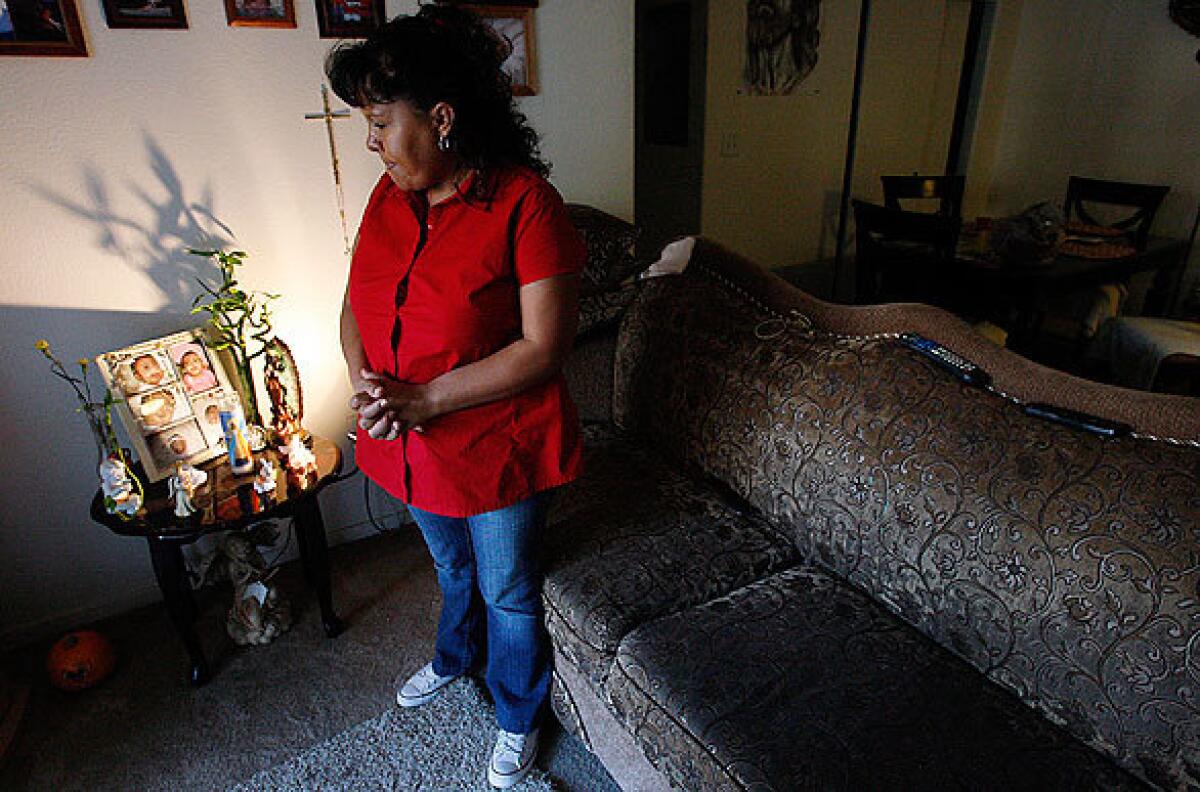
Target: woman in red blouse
[{"x": 460, "y": 308}]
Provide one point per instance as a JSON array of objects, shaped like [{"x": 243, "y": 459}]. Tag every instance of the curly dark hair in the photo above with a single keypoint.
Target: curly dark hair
[{"x": 442, "y": 54}]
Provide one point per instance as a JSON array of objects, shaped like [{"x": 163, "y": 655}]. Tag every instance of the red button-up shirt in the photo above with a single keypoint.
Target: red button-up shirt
[{"x": 433, "y": 288}]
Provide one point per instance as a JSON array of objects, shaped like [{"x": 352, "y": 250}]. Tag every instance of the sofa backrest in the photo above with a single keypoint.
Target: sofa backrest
[{"x": 1062, "y": 564}]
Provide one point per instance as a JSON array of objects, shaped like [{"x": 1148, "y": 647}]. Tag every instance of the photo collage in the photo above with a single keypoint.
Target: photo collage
[{"x": 172, "y": 390}]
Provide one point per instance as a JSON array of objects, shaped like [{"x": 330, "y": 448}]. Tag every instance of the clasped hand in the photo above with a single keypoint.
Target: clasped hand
[{"x": 387, "y": 407}]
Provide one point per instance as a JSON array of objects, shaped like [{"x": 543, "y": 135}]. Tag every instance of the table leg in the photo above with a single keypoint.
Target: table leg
[
  {"x": 1161, "y": 298},
  {"x": 167, "y": 558},
  {"x": 314, "y": 555}
]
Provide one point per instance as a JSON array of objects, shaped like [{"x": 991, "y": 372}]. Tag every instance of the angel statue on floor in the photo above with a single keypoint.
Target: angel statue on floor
[{"x": 259, "y": 612}]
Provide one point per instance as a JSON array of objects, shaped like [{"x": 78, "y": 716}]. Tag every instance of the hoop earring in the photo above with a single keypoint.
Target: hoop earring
[{"x": 444, "y": 143}]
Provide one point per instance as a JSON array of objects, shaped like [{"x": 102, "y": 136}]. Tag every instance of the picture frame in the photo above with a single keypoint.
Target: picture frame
[
  {"x": 349, "y": 18},
  {"x": 515, "y": 24},
  {"x": 44, "y": 28},
  {"x": 159, "y": 14},
  {"x": 261, "y": 13},
  {"x": 169, "y": 394}
]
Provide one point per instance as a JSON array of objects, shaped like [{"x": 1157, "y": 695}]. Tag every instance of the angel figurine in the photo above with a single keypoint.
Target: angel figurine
[
  {"x": 259, "y": 612},
  {"x": 119, "y": 494},
  {"x": 264, "y": 482},
  {"x": 302, "y": 464},
  {"x": 182, "y": 488},
  {"x": 192, "y": 478},
  {"x": 179, "y": 494}
]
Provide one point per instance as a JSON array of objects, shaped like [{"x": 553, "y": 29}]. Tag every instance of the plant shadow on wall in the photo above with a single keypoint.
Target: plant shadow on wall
[{"x": 155, "y": 237}]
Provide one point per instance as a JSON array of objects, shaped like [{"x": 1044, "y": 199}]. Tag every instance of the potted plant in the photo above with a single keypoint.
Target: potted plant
[{"x": 239, "y": 321}]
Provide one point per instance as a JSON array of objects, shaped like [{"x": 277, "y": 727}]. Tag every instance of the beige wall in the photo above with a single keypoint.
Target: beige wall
[
  {"x": 1111, "y": 91},
  {"x": 772, "y": 193},
  {"x": 113, "y": 164}
]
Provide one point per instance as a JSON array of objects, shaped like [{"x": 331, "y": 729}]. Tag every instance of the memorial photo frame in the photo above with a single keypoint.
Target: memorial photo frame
[
  {"x": 348, "y": 18},
  {"x": 261, "y": 13},
  {"x": 169, "y": 392},
  {"x": 43, "y": 28},
  {"x": 163, "y": 14}
]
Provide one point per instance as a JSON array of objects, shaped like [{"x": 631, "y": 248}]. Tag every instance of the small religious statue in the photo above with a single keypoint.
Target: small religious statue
[
  {"x": 233, "y": 425},
  {"x": 119, "y": 494},
  {"x": 282, "y": 420},
  {"x": 182, "y": 487},
  {"x": 264, "y": 480},
  {"x": 180, "y": 495},
  {"x": 259, "y": 613},
  {"x": 301, "y": 463}
]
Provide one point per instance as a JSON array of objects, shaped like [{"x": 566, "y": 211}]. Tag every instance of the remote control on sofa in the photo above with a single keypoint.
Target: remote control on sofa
[
  {"x": 960, "y": 367},
  {"x": 1079, "y": 420}
]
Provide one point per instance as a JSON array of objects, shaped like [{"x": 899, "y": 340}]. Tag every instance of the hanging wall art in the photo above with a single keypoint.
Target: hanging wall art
[
  {"x": 348, "y": 18},
  {"x": 165, "y": 14},
  {"x": 783, "y": 39},
  {"x": 47, "y": 28},
  {"x": 260, "y": 13}
]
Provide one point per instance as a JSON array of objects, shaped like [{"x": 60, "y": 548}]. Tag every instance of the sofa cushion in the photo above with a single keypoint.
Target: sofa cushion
[
  {"x": 1062, "y": 564},
  {"x": 601, "y": 310},
  {"x": 610, "y": 243},
  {"x": 634, "y": 539},
  {"x": 800, "y": 682}
]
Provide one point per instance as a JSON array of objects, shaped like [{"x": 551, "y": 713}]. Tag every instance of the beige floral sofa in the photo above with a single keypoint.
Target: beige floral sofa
[{"x": 804, "y": 557}]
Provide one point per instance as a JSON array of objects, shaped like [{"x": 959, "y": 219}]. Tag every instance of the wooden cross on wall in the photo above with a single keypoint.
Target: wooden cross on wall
[{"x": 328, "y": 116}]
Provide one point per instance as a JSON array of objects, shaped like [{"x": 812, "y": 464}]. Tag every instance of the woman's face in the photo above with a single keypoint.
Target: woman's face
[{"x": 405, "y": 138}]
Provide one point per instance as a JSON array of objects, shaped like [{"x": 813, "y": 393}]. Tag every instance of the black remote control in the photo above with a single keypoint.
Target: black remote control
[
  {"x": 960, "y": 367},
  {"x": 1079, "y": 420}
]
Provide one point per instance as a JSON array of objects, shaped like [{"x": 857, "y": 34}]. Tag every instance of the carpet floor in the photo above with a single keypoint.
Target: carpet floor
[
  {"x": 441, "y": 745},
  {"x": 145, "y": 728}
]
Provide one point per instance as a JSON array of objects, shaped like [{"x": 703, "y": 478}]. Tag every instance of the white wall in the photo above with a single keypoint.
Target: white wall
[
  {"x": 114, "y": 163},
  {"x": 1110, "y": 89}
]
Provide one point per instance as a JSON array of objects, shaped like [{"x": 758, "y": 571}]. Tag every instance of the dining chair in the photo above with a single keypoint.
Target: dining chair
[
  {"x": 946, "y": 190},
  {"x": 901, "y": 256},
  {"x": 1103, "y": 219},
  {"x": 1143, "y": 200}
]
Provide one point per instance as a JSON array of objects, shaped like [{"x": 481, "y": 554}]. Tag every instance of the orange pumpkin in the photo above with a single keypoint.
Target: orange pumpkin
[{"x": 80, "y": 660}]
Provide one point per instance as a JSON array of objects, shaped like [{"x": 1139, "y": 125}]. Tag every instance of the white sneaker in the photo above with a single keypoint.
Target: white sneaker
[
  {"x": 512, "y": 758},
  {"x": 422, "y": 687}
]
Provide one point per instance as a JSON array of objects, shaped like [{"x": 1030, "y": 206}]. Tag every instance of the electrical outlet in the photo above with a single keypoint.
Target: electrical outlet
[{"x": 729, "y": 144}]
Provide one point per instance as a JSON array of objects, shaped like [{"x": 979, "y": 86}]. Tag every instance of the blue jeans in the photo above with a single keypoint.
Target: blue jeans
[{"x": 487, "y": 564}]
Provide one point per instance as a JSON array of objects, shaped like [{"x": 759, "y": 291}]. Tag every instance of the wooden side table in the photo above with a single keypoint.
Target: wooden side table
[{"x": 228, "y": 502}]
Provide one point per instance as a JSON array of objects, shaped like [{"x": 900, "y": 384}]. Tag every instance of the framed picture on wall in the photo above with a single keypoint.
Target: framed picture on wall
[
  {"x": 260, "y": 13},
  {"x": 41, "y": 27},
  {"x": 514, "y": 22},
  {"x": 170, "y": 393},
  {"x": 166, "y": 14},
  {"x": 348, "y": 18}
]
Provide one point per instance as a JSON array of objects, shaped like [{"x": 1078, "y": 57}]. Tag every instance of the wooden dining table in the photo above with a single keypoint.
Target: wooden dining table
[{"x": 1029, "y": 289}]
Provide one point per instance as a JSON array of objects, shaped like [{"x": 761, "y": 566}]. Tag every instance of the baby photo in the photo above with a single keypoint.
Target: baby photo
[
  {"x": 160, "y": 407},
  {"x": 138, "y": 372},
  {"x": 208, "y": 413},
  {"x": 167, "y": 383},
  {"x": 195, "y": 370},
  {"x": 177, "y": 443}
]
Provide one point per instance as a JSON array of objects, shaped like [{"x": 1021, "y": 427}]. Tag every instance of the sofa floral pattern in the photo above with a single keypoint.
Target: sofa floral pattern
[{"x": 1063, "y": 565}]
